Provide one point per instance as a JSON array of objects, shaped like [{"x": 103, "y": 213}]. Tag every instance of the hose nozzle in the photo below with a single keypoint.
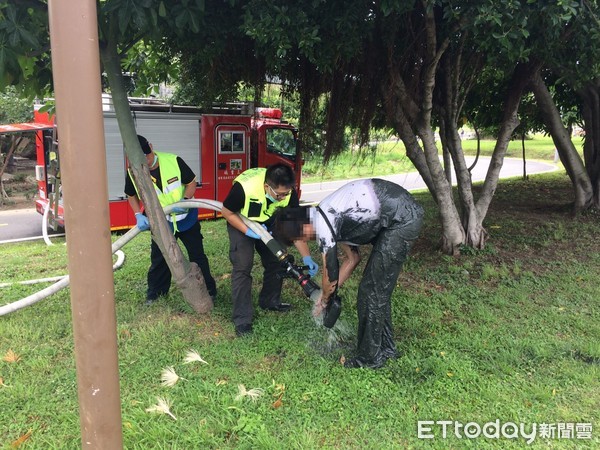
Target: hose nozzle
[{"x": 310, "y": 288}]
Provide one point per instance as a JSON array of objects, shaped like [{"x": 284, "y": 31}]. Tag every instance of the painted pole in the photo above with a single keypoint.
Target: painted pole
[{"x": 76, "y": 72}]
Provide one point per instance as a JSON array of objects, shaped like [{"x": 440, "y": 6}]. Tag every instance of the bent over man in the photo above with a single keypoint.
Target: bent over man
[
  {"x": 173, "y": 181},
  {"x": 370, "y": 211}
]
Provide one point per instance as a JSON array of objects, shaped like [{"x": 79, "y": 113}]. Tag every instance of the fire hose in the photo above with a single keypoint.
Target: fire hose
[{"x": 309, "y": 287}]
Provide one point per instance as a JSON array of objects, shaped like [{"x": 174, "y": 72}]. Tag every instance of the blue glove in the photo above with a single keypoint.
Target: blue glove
[
  {"x": 252, "y": 234},
  {"x": 142, "y": 222},
  {"x": 178, "y": 210},
  {"x": 313, "y": 267},
  {"x": 266, "y": 229}
]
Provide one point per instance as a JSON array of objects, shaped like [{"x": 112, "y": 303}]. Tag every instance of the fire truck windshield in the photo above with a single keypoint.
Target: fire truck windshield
[{"x": 281, "y": 141}]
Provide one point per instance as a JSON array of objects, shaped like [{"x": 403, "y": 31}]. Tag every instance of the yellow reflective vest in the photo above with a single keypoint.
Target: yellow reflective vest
[
  {"x": 170, "y": 178},
  {"x": 255, "y": 204}
]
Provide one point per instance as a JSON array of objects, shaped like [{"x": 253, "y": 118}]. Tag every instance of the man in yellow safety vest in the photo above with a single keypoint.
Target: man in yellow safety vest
[
  {"x": 173, "y": 181},
  {"x": 256, "y": 194}
]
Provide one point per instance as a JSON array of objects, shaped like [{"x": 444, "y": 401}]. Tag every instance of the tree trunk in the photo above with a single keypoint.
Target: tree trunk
[
  {"x": 446, "y": 152},
  {"x": 562, "y": 141},
  {"x": 590, "y": 96},
  {"x": 15, "y": 144},
  {"x": 475, "y": 234},
  {"x": 519, "y": 80},
  {"x": 188, "y": 277},
  {"x": 453, "y": 233},
  {"x": 410, "y": 113},
  {"x": 523, "y": 153},
  {"x": 411, "y": 117}
]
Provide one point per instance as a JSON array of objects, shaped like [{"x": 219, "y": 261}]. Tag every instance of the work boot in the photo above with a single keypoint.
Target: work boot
[
  {"x": 281, "y": 307},
  {"x": 244, "y": 329},
  {"x": 357, "y": 361}
]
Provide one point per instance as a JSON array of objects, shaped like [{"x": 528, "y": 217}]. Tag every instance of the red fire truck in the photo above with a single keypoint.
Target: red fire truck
[{"x": 217, "y": 145}]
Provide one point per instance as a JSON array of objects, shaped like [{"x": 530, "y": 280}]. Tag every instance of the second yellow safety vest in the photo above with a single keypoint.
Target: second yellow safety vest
[{"x": 255, "y": 205}]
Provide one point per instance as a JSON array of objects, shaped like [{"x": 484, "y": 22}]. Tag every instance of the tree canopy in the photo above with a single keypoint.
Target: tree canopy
[{"x": 408, "y": 66}]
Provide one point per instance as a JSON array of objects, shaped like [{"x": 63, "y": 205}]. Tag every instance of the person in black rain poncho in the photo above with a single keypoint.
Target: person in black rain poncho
[{"x": 369, "y": 211}]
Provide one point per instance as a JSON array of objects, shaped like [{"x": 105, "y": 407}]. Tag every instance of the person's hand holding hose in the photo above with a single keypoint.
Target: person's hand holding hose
[
  {"x": 313, "y": 267},
  {"x": 252, "y": 234},
  {"x": 142, "y": 222}
]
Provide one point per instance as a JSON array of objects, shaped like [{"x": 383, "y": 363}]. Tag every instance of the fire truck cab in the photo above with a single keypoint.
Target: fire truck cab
[{"x": 218, "y": 145}]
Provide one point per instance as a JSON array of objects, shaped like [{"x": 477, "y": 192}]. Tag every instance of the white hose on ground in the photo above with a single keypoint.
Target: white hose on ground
[
  {"x": 64, "y": 280},
  {"x": 119, "y": 243},
  {"x": 116, "y": 246},
  {"x": 117, "y": 265},
  {"x": 38, "y": 280}
]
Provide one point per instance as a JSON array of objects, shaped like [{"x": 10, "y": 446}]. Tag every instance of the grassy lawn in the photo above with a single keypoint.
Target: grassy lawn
[
  {"x": 510, "y": 333},
  {"x": 390, "y": 158}
]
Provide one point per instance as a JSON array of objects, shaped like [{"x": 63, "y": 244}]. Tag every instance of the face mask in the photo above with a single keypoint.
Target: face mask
[
  {"x": 270, "y": 197},
  {"x": 154, "y": 162}
]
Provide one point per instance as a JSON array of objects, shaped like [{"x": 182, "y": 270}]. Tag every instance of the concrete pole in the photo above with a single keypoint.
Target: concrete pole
[{"x": 76, "y": 72}]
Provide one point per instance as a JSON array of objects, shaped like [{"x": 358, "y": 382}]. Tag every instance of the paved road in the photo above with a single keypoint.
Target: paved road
[
  {"x": 19, "y": 224},
  {"x": 412, "y": 181},
  {"x": 27, "y": 223}
]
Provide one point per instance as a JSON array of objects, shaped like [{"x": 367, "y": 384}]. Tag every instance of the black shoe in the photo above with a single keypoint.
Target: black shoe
[
  {"x": 356, "y": 362},
  {"x": 243, "y": 329},
  {"x": 282, "y": 307},
  {"x": 149, "y": 301}
]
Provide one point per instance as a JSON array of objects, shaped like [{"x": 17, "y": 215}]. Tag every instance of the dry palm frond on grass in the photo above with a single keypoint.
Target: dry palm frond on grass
[
  {"x": 193, "y": 356},
  {"x": 169, "y": 377},
  {"x": 252, "y": 394},
  {"x": 163, "y": 407},
  {"x": 11, "y": 357}
]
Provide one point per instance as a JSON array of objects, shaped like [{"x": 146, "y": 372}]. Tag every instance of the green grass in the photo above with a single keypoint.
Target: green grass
[
  {"x": 390, "y": 157},
  {"x": 509, "y": 332},
  {"x": 536, "y": 147}
]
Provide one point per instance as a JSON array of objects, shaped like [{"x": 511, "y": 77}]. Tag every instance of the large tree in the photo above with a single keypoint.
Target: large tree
[
  {"x": 408, "y": 65},
  {"x": 571, "y": 68},
  {"x": 24, "y": 53},
  {"x": 416, "y": 65}
]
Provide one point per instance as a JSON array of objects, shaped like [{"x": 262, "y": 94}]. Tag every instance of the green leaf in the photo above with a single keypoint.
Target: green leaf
[
  {"x": 48, "y": 107},
  {"x": 194, "y": 23},
  {"x": 154, "y": 18},
  {"x": 162, "y": 11},
  {"x": 13, "y": 40},
  {"x": 29, "y": 38},
  {"x": 11, "y": 13},
  {"x": 27, "y": 65}
]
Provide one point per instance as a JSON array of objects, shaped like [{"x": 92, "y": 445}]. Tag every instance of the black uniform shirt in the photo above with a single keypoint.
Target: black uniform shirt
[
  {"x": 187, "y": 176},
  {"x": 237, "y": 197}
]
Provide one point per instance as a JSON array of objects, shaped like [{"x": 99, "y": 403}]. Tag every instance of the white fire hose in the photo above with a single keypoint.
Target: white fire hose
[{"x": 63, "y": 281}]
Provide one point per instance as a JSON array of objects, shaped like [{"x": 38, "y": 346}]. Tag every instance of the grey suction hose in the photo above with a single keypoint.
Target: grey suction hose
[
  {"x": 63, "y": 282},
  {"x": 214, "y": 205},
  {"x": 116, "y": 246}
]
